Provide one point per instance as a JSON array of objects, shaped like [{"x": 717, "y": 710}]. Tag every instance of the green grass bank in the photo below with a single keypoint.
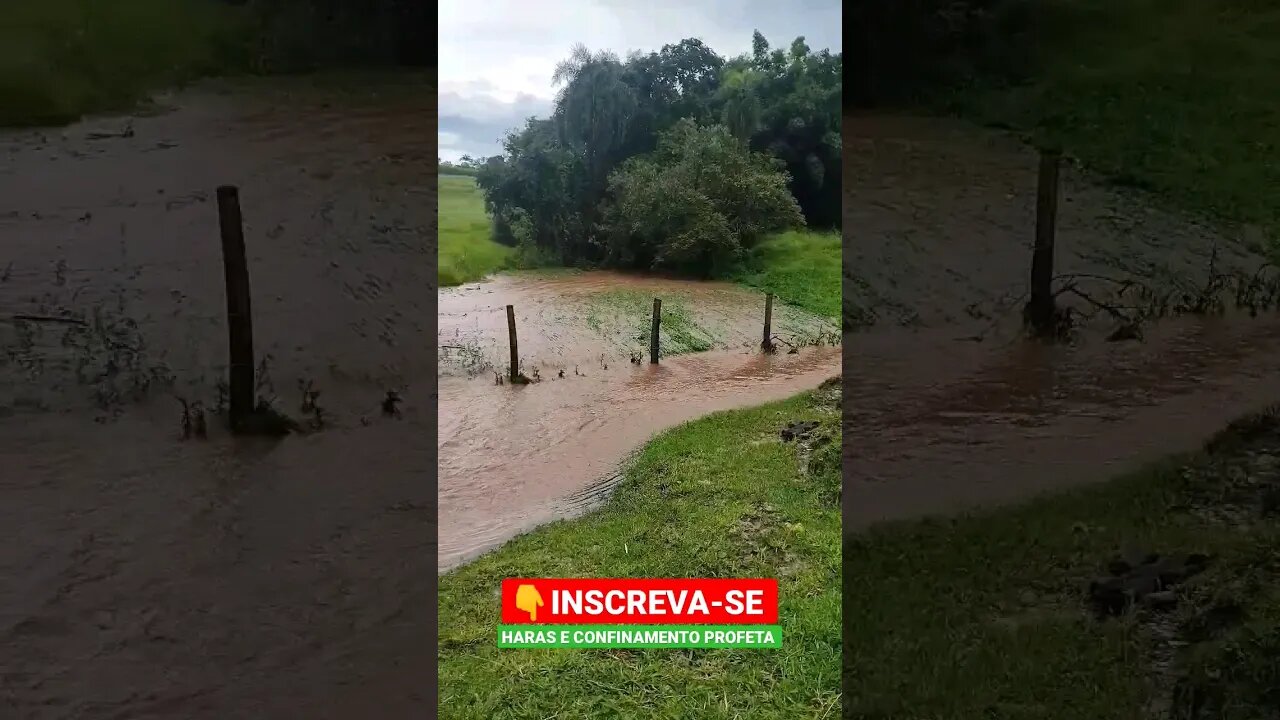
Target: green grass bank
[
  {"x": 61, "y": 59},
  {"x": 802, "y": 268},
  {"x": 985, "y": 616},
  {"x": 467, "y": 251},
  {"x": 722, "y": 496},
  {"x": 1177, "y": 97}
]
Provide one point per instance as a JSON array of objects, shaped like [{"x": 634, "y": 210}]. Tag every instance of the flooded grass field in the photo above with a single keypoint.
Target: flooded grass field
[
  {"x": 947, "y": 407},
  {"x": 515, "y": 456},
  {"x": 210, "y": 578}
]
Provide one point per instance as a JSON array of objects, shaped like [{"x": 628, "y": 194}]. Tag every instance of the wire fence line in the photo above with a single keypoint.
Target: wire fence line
[{"x": 672, "y": 329}]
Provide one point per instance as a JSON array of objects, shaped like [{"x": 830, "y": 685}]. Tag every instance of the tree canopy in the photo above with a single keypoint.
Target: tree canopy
[{"x": 676, "y": 159}]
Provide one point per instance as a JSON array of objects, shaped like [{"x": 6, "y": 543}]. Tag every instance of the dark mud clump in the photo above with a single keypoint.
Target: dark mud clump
[
  {"x": 798, "y": 430},
  {"x": 1240, "y": 480},
  {"x": 817, "y": 443},
  {"x": 1148, "y": 580},
  {"x": 268, "y": 421},
  {"x": 1212, "y": 625}
]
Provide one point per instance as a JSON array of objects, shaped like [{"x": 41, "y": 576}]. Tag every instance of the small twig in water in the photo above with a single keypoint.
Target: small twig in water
[
  {"x": 186, "y": 419},
  {"x": 49, "y": 318}
]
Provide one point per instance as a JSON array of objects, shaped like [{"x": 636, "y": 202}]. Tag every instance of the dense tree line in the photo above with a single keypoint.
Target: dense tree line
[
  {"x": 906, "y": 49},
  {"x": 677, "y": 159},
  {"x": 299, "y": 35}
]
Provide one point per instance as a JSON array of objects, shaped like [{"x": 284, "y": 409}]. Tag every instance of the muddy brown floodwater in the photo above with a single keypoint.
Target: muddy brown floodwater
[
  {"x": 514, "y": 457},
  {"x": 146, "y": 577},
  {"x": 940, "y": 426},
  {"x": 940, "y": 216}
]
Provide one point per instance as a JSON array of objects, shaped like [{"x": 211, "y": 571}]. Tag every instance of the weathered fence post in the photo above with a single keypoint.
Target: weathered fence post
[
  {"x": 767, "y": 343},
  {"x": 1040, "y": 308},
  {"x": 239, "y": 316},
  {"x": 511, "y": 334},
  {"x": 653, "y": 332}
]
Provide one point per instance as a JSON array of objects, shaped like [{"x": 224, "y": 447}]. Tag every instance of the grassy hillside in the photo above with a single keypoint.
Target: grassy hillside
[
  {"x": 1180, "y": 97},
  {"x": 466, "y": 251},
  {"x": 60, "y": 59},
  {"x": 989, "y": 615},
  {"x": 63, "y": 59},
  {"x": 802, "y": 268},
  {"x": 720, "y": 496}
]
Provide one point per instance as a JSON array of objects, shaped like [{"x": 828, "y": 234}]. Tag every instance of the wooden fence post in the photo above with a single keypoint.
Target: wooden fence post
[
  {"x": 1040, "y": 308},
  {"x": 239, "y": 316},
  {"x": 653, "y": 332},
  {"x": 511, "y": 334},
  {"x": 767, "y": 343}
]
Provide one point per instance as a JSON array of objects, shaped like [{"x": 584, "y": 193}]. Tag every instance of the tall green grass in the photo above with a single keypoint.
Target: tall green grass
[
  {"x": 801, "y": 268},
  {"x": 984, "y": 615},
  {"x": 1179, "y": 97},
  {"x": 467, "y": 251},
  {"x": 62, "y": 59}
]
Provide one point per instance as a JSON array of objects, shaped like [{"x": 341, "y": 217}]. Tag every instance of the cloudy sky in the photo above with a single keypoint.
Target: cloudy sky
[{"x": 497, "y": 56}]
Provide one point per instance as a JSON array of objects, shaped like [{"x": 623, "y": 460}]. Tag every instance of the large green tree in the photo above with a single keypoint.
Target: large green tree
[
  {"x": 539, "y": 179},
  {"x": 791, "y": 101},
  {"x": 593, "y": 112},
  {"x": 551, "y": 187},
  {"x": 310, "y": 34},
  {"x": 697, "y": 203}
]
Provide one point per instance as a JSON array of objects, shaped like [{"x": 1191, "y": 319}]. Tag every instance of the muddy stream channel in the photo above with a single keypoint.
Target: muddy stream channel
[
  {"x": 938, "y": 425},
  {"x": 515, "y": 456}
]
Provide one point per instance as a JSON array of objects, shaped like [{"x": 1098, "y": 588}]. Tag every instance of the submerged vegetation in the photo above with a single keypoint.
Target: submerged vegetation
[{"x": 676, "y": 160}]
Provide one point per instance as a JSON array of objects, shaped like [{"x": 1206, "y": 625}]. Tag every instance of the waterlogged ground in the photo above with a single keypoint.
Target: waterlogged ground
[
  {"x": 937, "y": 254},
  {"x": 513, "y": 457},
  {"x": 117, "y": 239},
  {"x": 568, "y": 319},
  {"x": 148, "y": 577},
  {"x": 938, "y": 425},
  {"x": 940, "y": 222}
]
